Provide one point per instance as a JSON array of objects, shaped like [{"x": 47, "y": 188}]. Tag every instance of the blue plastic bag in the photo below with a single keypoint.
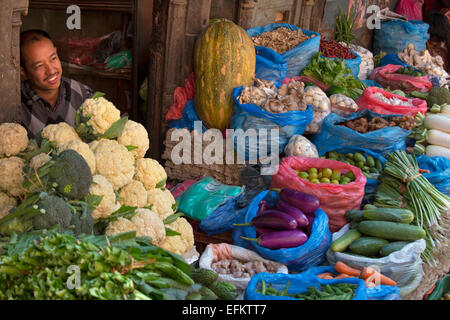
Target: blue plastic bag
[
  {"x": 270, "y": 65},
  {"x": 204, "y": 196},
  {"x": 311, "y": 253},
  {"x": 249, "y": 116},
  {"x": 352, "y": 64},
  {"x": 297, "y": 58},
  {"x": 371, "y": 184},
  {"x": 439, "y": 175},
  {"x": 392, "y": 58},
  {"x": 188, "y": 119},
  {"x": 222, "y": 219},
  {"x": 381, "y": 141},
  {"x": 371, "y": 83},
  {"x": 395, "y": 35},
  {"x": 381, "y": 292},
  {"x": 297, "y": 283}
]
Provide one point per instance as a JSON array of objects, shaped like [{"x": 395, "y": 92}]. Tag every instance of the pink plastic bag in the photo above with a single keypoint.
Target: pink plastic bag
[
  {"x": 181, "y": 96},
  {"x": 182, "y": 187},
  {"x": 334, "y": 199},
  {"x": 387, "y": 77},
  {"x": 368, "y": 101},
  {"x": 412, "y": 9}
]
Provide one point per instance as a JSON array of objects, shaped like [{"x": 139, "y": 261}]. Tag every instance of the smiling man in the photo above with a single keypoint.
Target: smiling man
[{"x": 47, "y": 96}]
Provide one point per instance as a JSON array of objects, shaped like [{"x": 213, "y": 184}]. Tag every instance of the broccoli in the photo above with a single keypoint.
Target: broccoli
[
  {"x": 82, "y": 221},
  {"x": 67, "y": 172},
  {"x": 56, "y": 212},
  {"x": 439, "y": 96}
]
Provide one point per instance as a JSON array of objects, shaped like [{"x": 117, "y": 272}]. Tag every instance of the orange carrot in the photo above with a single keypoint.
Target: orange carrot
[
  {"x": 326, "y": 275},
  {"x": 371, "y": 273},
  {"x": 343, "y": 276},
  {"x": 343, "y": 268}
]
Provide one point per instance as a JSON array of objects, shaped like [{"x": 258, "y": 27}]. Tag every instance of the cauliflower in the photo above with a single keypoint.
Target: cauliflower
[
  {"x": 145, "y": 223},
  {"x": 113, "y": 161},
  {"x": 182, "y": 243},
  {"x": 102, "y": 187},
  {"x": 13, "y": 139},
  {"x": 61, "y": 133},
  {"x": 102, "y": 114},
  {"x": 133, "y": 194},
  {"x": 39, "y": 160},
  {"x": 162, "y": 201},
  {"x": 135, "y": 134},
  {"x": 11, "y": 175},
  {"x": 6, "y": 200},
  {"x": 150, "y": 173},
  {"x": 83, "y": 149}
]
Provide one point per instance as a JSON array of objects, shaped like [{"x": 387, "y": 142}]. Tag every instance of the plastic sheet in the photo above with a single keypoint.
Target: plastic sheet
[
  {"x": 395, "y": 35},
  {"x": 311, "y": 253},
  {"x": 439, "y": 175},
  {"x": 297, "y": 58},
  {"x": 269, "y": 65},
  {"x": 381, "y": 141}
]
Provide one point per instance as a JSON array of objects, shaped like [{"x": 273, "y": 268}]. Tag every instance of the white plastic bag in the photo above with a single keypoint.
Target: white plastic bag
[
  {"x": 366, "y": 67},
  {"x": 321, "y": 105},
  {"x": 217, "y": 252},
  {"x": 403, "y": 266},
  {"x": 300, "y": 146}
]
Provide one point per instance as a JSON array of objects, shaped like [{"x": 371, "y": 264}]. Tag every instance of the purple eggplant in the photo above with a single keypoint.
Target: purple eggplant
[
  {"x": 310, "y": 218},
  {"x": 261, "y": 231},
  {"x": 303, "y": 201},
  {"x": 280, "y": 239},
  {"x": 273, "y": 219},
  {"x": 263, "y": 205},
  {"x": 297, "y": 214}
]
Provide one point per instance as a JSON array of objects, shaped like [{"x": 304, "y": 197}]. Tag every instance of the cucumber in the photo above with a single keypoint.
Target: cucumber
[
  {"x": 341, "y": 244},
  {"x": 354, "y": 224},
  {"x": 393, "y": 231},
  {"x": 389, "y": 214},
  {"x": 204, "y": 276},
  {"x": 354, "y": 215},
  {"x": 367, "y": 246},
  {"x": 392, "y": 247}
]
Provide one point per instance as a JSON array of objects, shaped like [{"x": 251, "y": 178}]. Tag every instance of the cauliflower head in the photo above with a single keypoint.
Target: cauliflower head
[
  {"x": 150, "y": 173},
  {"x": 162, "y": 201},
  {"x": 133, "y": 194},
  {"x": 83, "y": 149},
  {"x": 135, "y": 134},
  {"x": 6, "y": 200},
  {"x": 113, "y": 161},
  {"x": 102, "y": 114},
  {"x": 39, "y": 160},
  {"x": 60, "y": 133},
  {"x": 102, "y": 187},
  {"x": 13, "y": 139},
  {"x": 145, "y": 223},
  {"x": 182, "y": 243},
  {"x": 11, "y": 175}
]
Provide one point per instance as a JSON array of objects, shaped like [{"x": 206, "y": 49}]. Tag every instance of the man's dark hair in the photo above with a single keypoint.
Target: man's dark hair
[
  {"x": 31, "y": 36},
  {"x": 439, "y": 25}
]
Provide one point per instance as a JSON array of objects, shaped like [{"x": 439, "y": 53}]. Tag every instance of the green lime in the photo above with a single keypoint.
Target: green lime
[
  {"x": 313, "y": 175},
  {"x": 314, "y": 181},
  {"x": 325, "y": 180},
  {"x": 333, "y": 155},
  {"x": 327, "y": 173},
  {"x": 323, "y": 157},
  {"x": 350, "y": 155},
  {"x": 360, "y": 164},
  {"x": 370, "y": 161},
  {"x": 366, "y": 169},
  {"x": 303, "y": 175},
  {"x": 334, "y": 181},
  {"x": 351, "y": 162},
  {"x": 345, "y": 180},
  {"x": 350, "y": 175},
  {"x": 313, "y": 170},
  {"x": 335, "y": 176},
  {"x": 359, "y": 157}
]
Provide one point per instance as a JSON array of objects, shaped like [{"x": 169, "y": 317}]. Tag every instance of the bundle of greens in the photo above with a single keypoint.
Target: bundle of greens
[
  {"x": 343, "y": 29},
  {"x": 334, "y": 73},
  {"x": 403, "y": 186},
  {"x": 50, "y": 265}
]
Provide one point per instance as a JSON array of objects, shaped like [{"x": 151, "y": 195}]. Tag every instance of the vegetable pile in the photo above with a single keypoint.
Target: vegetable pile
[
  {"x": 369, "y": 166},
  {"x": 281, "y": 39},
  {"x": 327, "y": 175},
  {"x": 363, "y": 125},
  {"x": 239, "y": 269},
  {"x": 333, "y": 49}
]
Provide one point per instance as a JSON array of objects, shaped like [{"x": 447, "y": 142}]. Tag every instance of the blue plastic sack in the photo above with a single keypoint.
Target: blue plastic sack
[
  {"x": 381, "y": 292},
  {"x": 297, "y": 283},
  {"x": 204, "y": 196},
  {"x": 352, "y": 64},
  {"x": 270, "y": 65},
  {"x": 249, "y": 116},
  {"x": 371, "y": 83},
  {"x": 297, "y": 58},
  {"x": 311, "y": 253},
  {"x": 395, "y": 35},
  {"x": 371, "y": 184},
  {"x": 392, "y": 58},
  {"x": 439, "y": 175},
  {"x": 188, "y": 118},
  {"x": 381, "y": 141},
  {"x": 222, "y": 219}
]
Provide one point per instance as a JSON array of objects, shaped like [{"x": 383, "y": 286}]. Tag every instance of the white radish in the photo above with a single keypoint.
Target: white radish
[
  {"x": 446, "y": 109},
  {"x": 437, "y": 151},
  {"x": 440, "y": 121},
  {"x": 438, "y": 137}
]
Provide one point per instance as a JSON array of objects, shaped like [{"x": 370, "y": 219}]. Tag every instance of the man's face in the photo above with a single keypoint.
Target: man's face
[{"x": 42, "y": 65}]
